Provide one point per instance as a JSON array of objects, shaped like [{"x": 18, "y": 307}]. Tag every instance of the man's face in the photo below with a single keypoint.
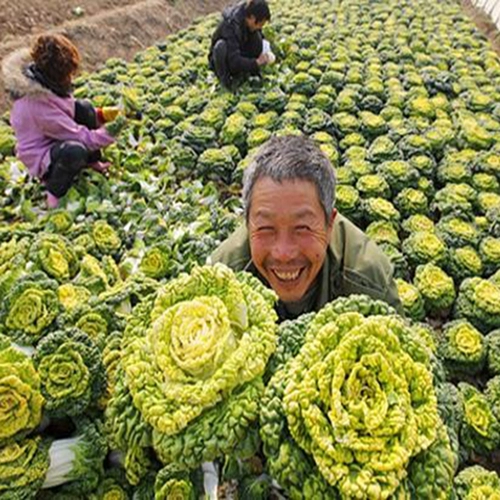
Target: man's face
[
  {"x": 253, "y": 24},
  {"x": 288, "y": 235}
]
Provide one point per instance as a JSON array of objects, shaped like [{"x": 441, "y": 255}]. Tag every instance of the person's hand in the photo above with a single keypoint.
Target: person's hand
[
  {"x": 263, "y": 59},
  {"x": 116, "y": 126}
]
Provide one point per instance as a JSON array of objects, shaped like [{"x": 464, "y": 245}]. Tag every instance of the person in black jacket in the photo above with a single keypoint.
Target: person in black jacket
[{"x": 236, "y": 50}]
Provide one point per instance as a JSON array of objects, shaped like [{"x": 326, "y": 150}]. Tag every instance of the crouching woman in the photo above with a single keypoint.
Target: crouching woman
[{"x": 57, "y": 135}]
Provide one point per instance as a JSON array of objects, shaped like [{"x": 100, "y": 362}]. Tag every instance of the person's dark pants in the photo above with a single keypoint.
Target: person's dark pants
[
  {"x": 251, "y": 49},
  {"x": 67, "y": 158}
]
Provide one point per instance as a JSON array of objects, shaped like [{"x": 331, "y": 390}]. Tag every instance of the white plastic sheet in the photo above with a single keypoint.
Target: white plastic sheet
[{"x": 491, "y": 8}]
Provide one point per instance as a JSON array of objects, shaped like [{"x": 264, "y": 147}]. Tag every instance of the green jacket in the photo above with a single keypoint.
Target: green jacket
[{"x": 354, "y": 265}]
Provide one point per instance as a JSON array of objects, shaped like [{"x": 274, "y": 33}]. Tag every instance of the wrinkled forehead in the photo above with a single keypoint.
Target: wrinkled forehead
[{"x": 291, "y": 197}]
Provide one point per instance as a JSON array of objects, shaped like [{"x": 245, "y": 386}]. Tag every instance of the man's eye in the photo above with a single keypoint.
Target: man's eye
[
  {"x": 265, "y": 229},
  {"x": 302, "y": 228}
]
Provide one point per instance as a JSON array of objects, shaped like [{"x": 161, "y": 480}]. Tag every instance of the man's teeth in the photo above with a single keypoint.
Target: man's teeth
[{"x": 287, "y": 276}]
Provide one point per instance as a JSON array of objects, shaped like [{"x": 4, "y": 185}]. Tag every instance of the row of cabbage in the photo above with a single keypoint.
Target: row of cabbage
[
  {"x": 349, "y": 402},
  {"x": 402, "y": 98}
]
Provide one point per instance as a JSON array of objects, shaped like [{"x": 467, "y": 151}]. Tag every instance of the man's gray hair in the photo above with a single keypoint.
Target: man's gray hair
[{"x": 287, "y": 158}]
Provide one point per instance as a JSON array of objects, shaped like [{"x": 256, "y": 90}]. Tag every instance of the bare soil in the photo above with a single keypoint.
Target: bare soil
[{"x": 99, "y": 28}]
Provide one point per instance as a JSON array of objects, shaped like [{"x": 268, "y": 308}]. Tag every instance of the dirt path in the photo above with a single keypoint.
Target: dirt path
[
  {"x": 100, "y": 28},
  {"x": 483, "y": 23}
]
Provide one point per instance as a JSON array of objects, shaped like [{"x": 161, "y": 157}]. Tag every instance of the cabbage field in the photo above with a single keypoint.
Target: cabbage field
[{"x": 129, "y": 370}]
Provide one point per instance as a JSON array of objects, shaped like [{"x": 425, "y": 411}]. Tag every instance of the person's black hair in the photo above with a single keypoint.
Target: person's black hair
[{"x": 259, "y": 9}]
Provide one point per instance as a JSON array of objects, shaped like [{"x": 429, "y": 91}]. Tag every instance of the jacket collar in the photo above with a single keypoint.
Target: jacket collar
[{"x": 16, "y": 82}]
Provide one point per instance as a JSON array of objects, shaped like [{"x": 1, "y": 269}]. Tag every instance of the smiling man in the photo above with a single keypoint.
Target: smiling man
[{"x": 295, "y": 241}]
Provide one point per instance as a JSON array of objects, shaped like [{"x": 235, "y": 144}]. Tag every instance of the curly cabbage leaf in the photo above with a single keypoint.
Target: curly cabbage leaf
[
  {"x": 21, "y": 401},
  {"x": 351, "y": 412},
  {"x": 30, "y": 308},
  {"x": 480, "y": 431},
  {"x": 200, "y": 345},
  {"x": 476, "y": 483},
  {"x": 54, "y": 255},
  {"x": 71, "y": 372},
  {"x": 479, "y": 302},
  {"x": 462, "y": 348},
  {"x": 23, "y": 466},
  {"x": 436, "y": 287}
]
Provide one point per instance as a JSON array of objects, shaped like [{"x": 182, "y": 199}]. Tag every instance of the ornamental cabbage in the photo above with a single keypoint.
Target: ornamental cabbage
[
  {"x": 347, "y": 200},
  {"x": 198, "y": 352},
  {"x": 156, "y": 262},
  {"x": 473, "y": 135},
  {"x": 423, "y": 247},
  {"x": 480, "y": 431},
  {"x": 411, "y": 201},
  {"x": 94, "y": 318},
  {"x": 353, "y": 139},
  {"x": 372, "y": 124},
  {"x": 399, "y": 174},
  {"x": 462, "y": 348},
  {"x": 353, "y": 413},
  {"x": 411, "y": 298},
  {"x": 418, "y": 222},
  {"x": 106, "y": 238},
  {"x": 489, "y": 250},
  {"x": 58, "y": 221},
  {"x": 234, "y": 130},
  {"x": 373, "y": 185},
  {"x": 375, "y": 209},
  {"x": 485, "y": 182},
  {"x": 91, "y": 275},
  {"x": 71, "y": 372},
  {"x": 479, "y": 302},
  {"x": 197, "y": 137},
  {"x": 398, "y": 260},
  {"x": 212, "y": 117},
  {"x": 30, "y": 308},
  {"x": 71, "y": 296},
  {"x": 216, "y": 164},
  {"x": 477, "y": 483},
  {"x": 457, "y": 232},
  {"x": 23, "y": 466},
  {"x": 383, "y": 149},
  {"x": 425, "y": 165},
  {"x": 383, "y": 232},
  {"x": 360, "y": 167},
  {"x": 453, "y": 200},
  {"x": 113, "y": 486},
  {"x": 53, "y": 254},
  {"x": 493, "y": 343},
  {"x": 436, "y": 287},
  {"x": 174, "y": 486},
  {"x": 487, "y": 201},
  {"x": 464, "y": 263},
  {"x": 20, "y": 397},
  {"x": 492, "y": 394},
  {"x": 453, "y": 171}
]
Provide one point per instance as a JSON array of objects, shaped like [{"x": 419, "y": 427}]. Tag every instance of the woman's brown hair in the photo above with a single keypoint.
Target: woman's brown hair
[{"x": 56, "y": 58}]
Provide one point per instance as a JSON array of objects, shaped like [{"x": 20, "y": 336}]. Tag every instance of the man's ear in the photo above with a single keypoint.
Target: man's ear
[{"x": 331, "y": 219}]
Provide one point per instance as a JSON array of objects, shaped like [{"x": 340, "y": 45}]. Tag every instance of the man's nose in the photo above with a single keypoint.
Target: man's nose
[{"x": 285, "y": 247}]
